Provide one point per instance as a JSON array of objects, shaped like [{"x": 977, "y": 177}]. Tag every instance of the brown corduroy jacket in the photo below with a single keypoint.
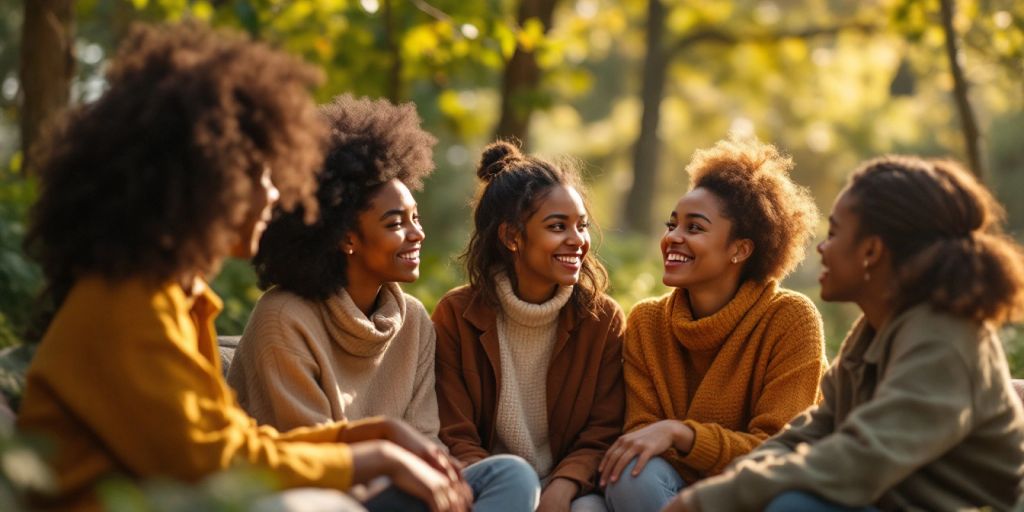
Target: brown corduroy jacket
[{"x": 585, "y": 395}]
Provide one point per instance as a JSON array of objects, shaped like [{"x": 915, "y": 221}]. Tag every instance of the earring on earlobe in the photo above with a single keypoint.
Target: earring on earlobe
[
  {"x": 734, "y": 259},
  {"x": 513, "y": 249},
  {"x": 867, "y": 275},
  {"x": 350, "y": 252}
]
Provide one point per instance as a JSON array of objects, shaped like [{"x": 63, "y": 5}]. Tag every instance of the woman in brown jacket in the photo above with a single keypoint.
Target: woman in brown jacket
[{"x": 529, "y": 356}]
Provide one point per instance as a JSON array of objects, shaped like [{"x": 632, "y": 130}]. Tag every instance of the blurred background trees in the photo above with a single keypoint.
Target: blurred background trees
[{"x": 629, "y": 88}]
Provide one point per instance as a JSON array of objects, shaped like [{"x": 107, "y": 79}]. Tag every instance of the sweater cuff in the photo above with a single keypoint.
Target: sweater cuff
[{"x": 704, "y": 453}]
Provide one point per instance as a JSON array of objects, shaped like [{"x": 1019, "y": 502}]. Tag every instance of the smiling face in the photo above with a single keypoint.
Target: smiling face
[
  {"x": 264, "y": 196},
  {"x": 555, "y": 242},
  {"x": 697, "y": 247},
  {"x": 843, "y": 254},
  {"x": 385, "y": 247}
]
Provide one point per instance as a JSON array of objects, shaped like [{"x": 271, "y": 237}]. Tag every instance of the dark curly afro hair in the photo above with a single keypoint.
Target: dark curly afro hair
[
  {"x": 371, "y": 142},
  {"x": 155, "y": 178},
  {"x": 751, "y": 179}
]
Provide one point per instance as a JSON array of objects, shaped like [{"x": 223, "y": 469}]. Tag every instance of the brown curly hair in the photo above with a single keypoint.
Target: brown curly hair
[
  {"x": 751, "y": 179},
  {"x": 513, "y": 185},
  {"x": 944, "y": 231},
  {"x": 155, "y": 177},
  {"x": 371, "y": 142}
]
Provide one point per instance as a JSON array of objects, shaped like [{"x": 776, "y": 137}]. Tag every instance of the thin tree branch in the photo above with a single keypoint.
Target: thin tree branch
[
  {"x": 718, "y": 36},
  {"x": 972, "y": 136}
]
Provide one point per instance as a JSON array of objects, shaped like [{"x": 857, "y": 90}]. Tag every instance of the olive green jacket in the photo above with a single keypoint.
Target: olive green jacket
[{"x": 921, "y": 415}]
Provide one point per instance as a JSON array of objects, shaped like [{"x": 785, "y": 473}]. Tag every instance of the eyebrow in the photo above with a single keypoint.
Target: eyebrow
[
  {"x": 699, "y": 216},
  {"x": 396, "y": 211},
  {"x": 559, "y": 216}
]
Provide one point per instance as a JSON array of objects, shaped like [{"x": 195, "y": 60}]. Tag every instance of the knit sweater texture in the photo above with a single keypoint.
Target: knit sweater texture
[
  {"x": 526, "y": 336},
  {"x": 735, "y": 377},
  {"x": 304, "y": 362},
  {"x": 127, "y": 381}
]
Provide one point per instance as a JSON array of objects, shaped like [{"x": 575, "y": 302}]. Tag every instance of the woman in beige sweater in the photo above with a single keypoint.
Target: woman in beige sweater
[{"x": 334, "y": 337}]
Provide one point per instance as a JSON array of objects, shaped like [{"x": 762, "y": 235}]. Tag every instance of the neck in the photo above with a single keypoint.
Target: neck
[
  {"x": 363, "y": 293},
  {"x": 535, "y": 293},
  {"x": 877, "y": 309},
  {"x": 706, "y": 300}
]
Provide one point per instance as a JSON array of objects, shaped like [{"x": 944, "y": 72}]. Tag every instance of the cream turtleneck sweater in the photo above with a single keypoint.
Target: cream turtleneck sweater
[
  {"x": 526, "y": 337},
  {"x": 303, "y": 362}
]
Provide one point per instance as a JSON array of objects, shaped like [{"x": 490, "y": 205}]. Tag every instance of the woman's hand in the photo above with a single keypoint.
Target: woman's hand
[
  {"x": 411, "y": 474},
  {"x": 558, "y": 495},
  {"x": 643, "y": 444},
  {"x": 683, "y": 502},
  {"x": 402, "y": 434}
]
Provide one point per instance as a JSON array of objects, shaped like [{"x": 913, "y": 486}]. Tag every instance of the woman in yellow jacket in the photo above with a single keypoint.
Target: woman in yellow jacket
[
  {"x": 142, "y": 195},
  {"x": 725, "y": 360}
]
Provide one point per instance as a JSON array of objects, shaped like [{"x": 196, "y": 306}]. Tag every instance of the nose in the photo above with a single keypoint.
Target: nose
[
  {"x": 416, "y": 234},
  {"x": 674, "y": 236},
  {"x": 820, "y": 250}
]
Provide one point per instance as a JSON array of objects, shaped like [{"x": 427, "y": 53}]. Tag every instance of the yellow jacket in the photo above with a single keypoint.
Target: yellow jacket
[{"x": 127, "y": 380}]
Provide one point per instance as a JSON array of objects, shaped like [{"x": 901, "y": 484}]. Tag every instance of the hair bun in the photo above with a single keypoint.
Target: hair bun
[{"x": 493, "y": 156}]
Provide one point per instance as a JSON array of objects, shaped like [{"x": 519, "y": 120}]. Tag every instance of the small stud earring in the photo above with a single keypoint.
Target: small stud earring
[
  {"x": 513, "y": 248},
  {"x": 867, "y": 275},
  {"x": 734, "y": 259},
  {"x": 350, "y": 252}
]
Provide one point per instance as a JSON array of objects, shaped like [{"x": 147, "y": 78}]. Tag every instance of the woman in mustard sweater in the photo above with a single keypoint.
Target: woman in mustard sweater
[
  {"x": 724, "y": 361},
  {"x": 143, "y": 193},
  {"x": 918, "y": 411}
]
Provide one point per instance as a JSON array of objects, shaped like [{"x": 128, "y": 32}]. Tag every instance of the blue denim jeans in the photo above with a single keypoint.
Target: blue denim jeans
[
  {"x": 800, "y": 501},
  {"x": 652, "y": 489},
  {"x": 503, "y": 483}
]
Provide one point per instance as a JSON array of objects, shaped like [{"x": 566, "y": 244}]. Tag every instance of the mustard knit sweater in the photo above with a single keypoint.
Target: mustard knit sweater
[{"x": 735, "y": 377}]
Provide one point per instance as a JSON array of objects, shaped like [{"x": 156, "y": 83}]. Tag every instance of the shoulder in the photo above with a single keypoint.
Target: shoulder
[
  {"x": 923, "y": 326},
  {"x": 648, "y": 310},
  {"x": 281, "y": 319},
  {"x": 282, "y": 305},
  {"x": 793, "y": 305},
  {"x": 414, "y": 309},
  {"x": 606, "y": 310},
  {"x": 456, "y": 298}
]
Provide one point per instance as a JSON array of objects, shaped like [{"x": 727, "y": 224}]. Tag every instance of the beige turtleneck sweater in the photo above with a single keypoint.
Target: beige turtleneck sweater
[
  {"x": 303, "y": 362},
  {"x": 526, "y": 337}
]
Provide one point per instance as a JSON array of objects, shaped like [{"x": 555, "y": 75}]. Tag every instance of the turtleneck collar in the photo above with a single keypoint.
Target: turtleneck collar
[
  {"x": 710, "y": 332},
  {"x": 357, "y": 334},
  {"x": 525, "y": 313}
]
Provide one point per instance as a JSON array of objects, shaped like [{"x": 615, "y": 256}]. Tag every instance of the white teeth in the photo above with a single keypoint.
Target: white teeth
[
  {"x": 411, "y": 255},
  {"x": 674, "y": 256},
  {"x": 572, "y": 260}
]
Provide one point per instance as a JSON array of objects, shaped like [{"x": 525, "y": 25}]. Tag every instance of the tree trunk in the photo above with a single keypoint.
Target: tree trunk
[
  {"x": 47, "y": 63},
  {"x": 647, "y": 149},
  {"x": 394, "y": 84},
  {"x": 972, "y": 137},
  {"x": 521, "y": 77}
]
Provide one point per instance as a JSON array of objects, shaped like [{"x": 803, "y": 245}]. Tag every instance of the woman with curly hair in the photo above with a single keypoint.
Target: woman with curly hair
[
  {"x": 335, "y": 338},
  {"x": 726, "y": 359},
  {"x": 919, "y": 412},
  {"x": 142, "y": 195},
  {"x": 529, "y": 353}
]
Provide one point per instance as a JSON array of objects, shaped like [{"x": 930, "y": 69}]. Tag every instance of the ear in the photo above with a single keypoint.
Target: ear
[
  {"x": 872, "y": 251},
  {"x": 348, "y": 244},
  {"x": 508, "y": 238},
  {"x": 741, "y": 249}
]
